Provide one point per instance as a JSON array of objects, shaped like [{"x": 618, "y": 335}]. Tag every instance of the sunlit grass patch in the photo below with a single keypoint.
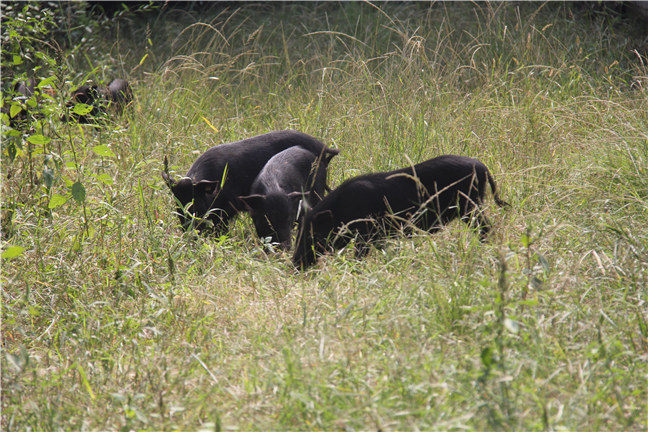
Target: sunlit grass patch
[{"x": 112, "y": 318}]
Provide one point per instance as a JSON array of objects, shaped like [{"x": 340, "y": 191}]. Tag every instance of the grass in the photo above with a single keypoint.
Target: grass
[{"x": 112, "y": 318}]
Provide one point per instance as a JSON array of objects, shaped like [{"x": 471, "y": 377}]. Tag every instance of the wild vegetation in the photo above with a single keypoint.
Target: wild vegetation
[{"x": 113, "y": 318}]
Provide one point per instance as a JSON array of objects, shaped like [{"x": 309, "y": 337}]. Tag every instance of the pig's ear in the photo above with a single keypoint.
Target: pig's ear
[
  {"x": 80, "y": 95},
  {"x": 206, "y": 186},
  {"x": 323, "y": 217},
  {"x": 252, "y": 202},
  {"x": 165, "y": 174},
  {"x": 330, "y": 153}
]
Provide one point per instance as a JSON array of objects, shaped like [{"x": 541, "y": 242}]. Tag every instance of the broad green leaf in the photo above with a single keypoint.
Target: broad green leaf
[
  {"x": 13, "y": 133},
  {"x": 78, "y": 192},
  {"x": 81, "y": 109},
  {"x": 12, "y": 252},
  {"x": 56, "y": 201},
  {"x": 103, "y": 150},
  {"x": 39, "y": 140},
  {"x": 46, "y": 82},
  {"x": 17, "y": 60},
  {"x": 105, "y": 178},
  {"x": 14, "y": 110}
]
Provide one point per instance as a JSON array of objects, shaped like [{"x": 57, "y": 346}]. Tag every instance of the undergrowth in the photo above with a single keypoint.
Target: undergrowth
[{"x": 112, "y": 318}]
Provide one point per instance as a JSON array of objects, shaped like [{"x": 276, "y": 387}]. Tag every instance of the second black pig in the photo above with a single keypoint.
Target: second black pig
[
  {"x": 28, "y": 97},
  {"x": 290, "y": 176},
  {"x": 115, "y": 97},
  {"x": 370, "y": 207}
]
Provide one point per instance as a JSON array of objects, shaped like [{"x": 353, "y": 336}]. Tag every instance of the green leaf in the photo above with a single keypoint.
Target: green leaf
[
  {"x": 525, "y": 240},
  {"x": 13, "y": 133},
  {"x": 39, "y": 140},
  {"x": 46, "y": 58},
  {"x": 34, "y": 311},
  {"x": 224, "y": 176},
  {"x": 46, "y": 82},
  {"x": 12, "y": 252},
  {"x": 14, "y": 110},
  {"x": 56, "y": 201},
  {"x": 82, "y": 109},
  {"x": 17, "y": 60},
  {"x": 105, "y": 178},
  {"x": 103, "y": 150},
  {"x": 487, "y": 356},
  {"x": 531, "y": 302},
  {"x": 78, "y": 192},
  {"x": 85, "y": 381}
]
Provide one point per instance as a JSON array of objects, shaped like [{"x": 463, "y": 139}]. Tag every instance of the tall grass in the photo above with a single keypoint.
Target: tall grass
[{"x": 112, "y": 318}]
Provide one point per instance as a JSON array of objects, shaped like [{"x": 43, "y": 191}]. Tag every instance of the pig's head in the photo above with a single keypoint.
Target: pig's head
[
  {"x": 313, "y": 237},
  {"x": 198, "y": 202},
  {"x": 273, "y": 215},
  {"x": 25, "y": 88},
  {"x": 89, "y": 95},
  {"x": 86, "y": 94}
]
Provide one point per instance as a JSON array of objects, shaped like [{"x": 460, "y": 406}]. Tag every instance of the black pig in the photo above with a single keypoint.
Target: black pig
[
  {"x": 289, "y": 176},
  {"x": 372, "y": 206},
  {"x": 115, "y": 97},
  {"x": 22, "y": 92},
  {"x": 213, "y": 184}
]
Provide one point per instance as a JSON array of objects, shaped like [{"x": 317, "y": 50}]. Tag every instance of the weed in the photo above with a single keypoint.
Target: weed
[{"x": 113, "y": 318}]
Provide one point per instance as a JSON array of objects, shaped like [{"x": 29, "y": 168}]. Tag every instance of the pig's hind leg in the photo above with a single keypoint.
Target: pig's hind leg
[{"x": 477, "y": 220}]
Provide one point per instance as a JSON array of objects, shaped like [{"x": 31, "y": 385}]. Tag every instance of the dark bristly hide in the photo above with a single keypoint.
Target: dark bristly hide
[
  {"x": 211, "y": 189},
  {"x": 112, "y": 98},
  {"x": 289, "y": 177},
  {"x": 372, "y": 206}
]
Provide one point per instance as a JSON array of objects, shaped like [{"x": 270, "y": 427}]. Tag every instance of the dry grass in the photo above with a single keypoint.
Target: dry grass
[{"x": 117, "y": 320}]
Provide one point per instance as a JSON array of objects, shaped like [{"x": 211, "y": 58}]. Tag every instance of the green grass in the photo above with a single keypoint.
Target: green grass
[{"x": 112, "y": 318}]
